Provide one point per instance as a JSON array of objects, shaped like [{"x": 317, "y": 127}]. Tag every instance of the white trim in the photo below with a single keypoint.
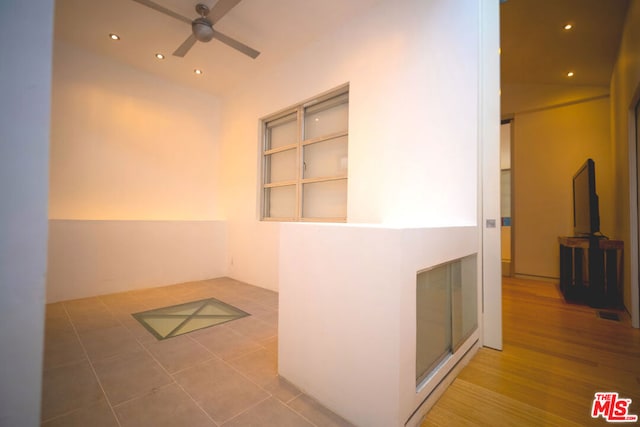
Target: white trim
[{"x": 489, "y": 172}]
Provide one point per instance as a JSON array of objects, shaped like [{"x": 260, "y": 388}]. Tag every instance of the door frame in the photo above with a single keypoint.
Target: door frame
[{"x": 489, "y": 173}]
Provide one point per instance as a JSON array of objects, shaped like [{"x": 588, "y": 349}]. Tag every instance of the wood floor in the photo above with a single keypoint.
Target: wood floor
[{"x": 555, "y": 357}]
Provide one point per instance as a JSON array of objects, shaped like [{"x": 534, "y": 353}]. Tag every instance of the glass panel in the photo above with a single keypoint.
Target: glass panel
[
  {"x": 327, "y": 117},
  {"x": 433, "y": 319},
  {"x": 505, "y": 193},
  {"x": 200, "y": 323},
  {"x": 178, "y": 310},
  {"x": 213, "y": 309},
  {"x": 464, "y": 299},
  {"x": 280, "y": 202},
  {"x": 162, "y": 325},
  {"x": 325, "y": 199},
  {"x": 167, "y": 322},
  {"x": 280, "y": 166},
  {"x": 325, "y": 159},
  {"x": 281, "y": 132}
]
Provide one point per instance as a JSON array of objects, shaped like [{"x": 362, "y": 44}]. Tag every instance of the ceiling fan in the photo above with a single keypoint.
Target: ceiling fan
[{"x": 202, "y": 27}]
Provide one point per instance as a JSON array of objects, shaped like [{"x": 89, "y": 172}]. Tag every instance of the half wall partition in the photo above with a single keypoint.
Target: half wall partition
[{"x": 348, "y": 308}]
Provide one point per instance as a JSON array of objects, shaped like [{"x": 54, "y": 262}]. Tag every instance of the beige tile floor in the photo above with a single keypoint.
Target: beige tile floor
[{"x": 102, "y": 368}]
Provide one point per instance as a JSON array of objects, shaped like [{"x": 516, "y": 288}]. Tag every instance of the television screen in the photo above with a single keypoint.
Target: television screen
[{"x": 586, "y": 215}]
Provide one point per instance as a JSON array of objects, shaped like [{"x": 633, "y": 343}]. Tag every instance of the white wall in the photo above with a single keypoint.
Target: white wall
[
  {"x": 549, "y": 146},
  {"x": 129, "y": 145},
  {"x": 25, "y": 85},
  {"x": 625, "y": 93},
  {"x": 134, "y": 179},
  {"x": 347, "y": 314},
  {"x": 88, "y": 258},
  {"x": 413, "y": 103}
]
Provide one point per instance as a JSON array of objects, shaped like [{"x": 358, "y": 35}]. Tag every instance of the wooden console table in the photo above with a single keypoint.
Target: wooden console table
[{"x": 600, "y": 283}]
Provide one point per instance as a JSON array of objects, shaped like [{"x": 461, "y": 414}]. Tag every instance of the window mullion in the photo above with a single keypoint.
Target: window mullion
[
  {"x": 325, "y": 138},
  {"x": 280, "y": 184},
  {"x": 323, "y": 179},
  {"x": 300, "y": 172},
  {"x": 266, "y": 172},
  {"x": 280, "y": 149}
]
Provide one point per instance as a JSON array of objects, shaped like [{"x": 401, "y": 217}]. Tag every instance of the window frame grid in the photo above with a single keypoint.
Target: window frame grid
[{"x": 299, "y": 145}]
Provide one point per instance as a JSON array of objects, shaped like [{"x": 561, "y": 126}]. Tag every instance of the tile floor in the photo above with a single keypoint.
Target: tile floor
[{"x": 102, "y": 368}]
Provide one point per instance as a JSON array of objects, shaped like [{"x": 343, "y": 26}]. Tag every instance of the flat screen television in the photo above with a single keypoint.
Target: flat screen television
[{"x": 586, "y": 214}]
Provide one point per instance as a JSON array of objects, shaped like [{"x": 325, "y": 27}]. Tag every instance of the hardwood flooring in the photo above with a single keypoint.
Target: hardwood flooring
[{"x": 555, "y": 357}]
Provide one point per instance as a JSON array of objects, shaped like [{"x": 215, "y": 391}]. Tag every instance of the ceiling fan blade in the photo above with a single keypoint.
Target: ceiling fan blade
[
  {"x": 236, "y": 44},
  {"x": 164, "y": 10},
  {"x": 220, "y": 9},
  {"x": 182, "y": 50}
]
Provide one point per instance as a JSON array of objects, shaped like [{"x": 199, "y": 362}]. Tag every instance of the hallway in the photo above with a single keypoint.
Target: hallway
[{"x": 556, "y": 356}]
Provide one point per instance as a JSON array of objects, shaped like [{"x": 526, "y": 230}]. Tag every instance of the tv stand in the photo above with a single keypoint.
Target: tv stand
[{"x": 599, "y": 284}]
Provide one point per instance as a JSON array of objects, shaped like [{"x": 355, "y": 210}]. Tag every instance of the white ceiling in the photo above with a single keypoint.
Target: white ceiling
[
  {"x": 535, "y": 49},
  {"x": 276, "y": 28}
]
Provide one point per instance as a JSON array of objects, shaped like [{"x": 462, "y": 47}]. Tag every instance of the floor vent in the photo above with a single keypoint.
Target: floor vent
[{"x": 608, "y": 315}]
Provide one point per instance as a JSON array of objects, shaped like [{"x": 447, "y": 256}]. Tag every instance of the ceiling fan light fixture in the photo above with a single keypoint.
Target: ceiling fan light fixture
[{"x": 202, "y": 29}]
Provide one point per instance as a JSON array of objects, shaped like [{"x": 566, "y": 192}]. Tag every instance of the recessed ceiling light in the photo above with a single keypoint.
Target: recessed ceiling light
[
  {"x": 159, "y": 56},
  {"x": 197, "y": 71},
  {"x": 570, "y": 74},
  {"x": 568, "y": 27},
  {"x": 113, "y": 36}
]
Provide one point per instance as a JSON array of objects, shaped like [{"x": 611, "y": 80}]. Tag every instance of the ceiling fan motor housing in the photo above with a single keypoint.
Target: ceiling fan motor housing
[{"x": 202, "y": 29}]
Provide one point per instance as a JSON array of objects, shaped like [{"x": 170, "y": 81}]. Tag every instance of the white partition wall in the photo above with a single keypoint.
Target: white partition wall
[
  {"x": 347, "y": 333},
  {"x": 25, "y": 95}
]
